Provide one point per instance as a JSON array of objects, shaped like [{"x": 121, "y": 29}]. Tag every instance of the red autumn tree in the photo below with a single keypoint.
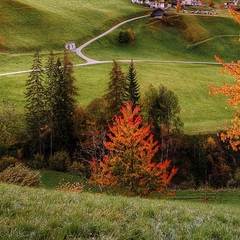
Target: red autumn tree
[
  {"x": 232, "y": 133},
  {"x": 129, "y": 166}
]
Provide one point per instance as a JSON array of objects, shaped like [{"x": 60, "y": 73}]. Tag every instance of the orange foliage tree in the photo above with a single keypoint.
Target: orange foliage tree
[
  {"x": 128, "y": 165},
  {"x": 232, "y": 133}
]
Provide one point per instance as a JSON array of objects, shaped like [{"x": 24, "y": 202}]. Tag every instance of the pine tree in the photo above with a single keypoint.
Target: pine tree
[
  {"x": 35, "y": 106},
  {"x": 50, "y": 95},
  {"x": 116, "y": 91},
  {"x": 132, "y": 87},
  {"x": 64, "y": 105}
]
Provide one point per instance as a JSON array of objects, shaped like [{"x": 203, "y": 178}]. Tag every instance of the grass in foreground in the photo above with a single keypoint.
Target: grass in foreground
[{"x": 48, "y": 214}]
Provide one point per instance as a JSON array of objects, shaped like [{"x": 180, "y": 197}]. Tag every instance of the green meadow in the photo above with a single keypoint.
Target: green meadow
[
  {"x": 27, "y": 26},
  {"x": 176, "y": 54},
  {"x": 28, "y": 213}
]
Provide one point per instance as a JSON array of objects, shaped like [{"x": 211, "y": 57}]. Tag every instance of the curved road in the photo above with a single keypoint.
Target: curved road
[{"x": 92, "y": 61}]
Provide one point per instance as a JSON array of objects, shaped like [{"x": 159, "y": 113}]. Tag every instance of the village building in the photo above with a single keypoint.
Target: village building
[
  {"x": 157, "y": 13},
  {"x": 70, "y": 46}
]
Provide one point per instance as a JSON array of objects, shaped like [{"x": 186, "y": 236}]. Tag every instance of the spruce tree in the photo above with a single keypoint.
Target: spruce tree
[
  {"x": 132, "y": 87},
  {"x": 50, "y": 95},
  {"x": 116, "y": 91},
  {"x": 64, "y": 105},
  {"x": 35, "y": 106}
]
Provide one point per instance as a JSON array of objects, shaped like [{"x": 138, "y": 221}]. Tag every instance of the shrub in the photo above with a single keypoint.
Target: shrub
[
  {"x": 38, "y": 161},
  {"x": 21, "y": 175},
  {"x": 72, "y": 187},
  {"x": 7, "y": 161},
  {"x": 77, "y": 168},
  {"x": 59, "y": 161},
  {"x": 126, "y": 36},
  {"x": 235, "y": 182}
]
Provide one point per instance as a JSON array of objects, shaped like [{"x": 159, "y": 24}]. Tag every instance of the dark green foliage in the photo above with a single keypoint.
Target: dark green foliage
[
  {"x": 59, "y": 161},
  {"x": 11, "y": 124},
  {"x": 116, "y": 91},
  {"x": 126, "y": 36},
  {"x": 35, "y": 103},
  {"x": 132, "y": 87},
  {"x": 50, "y": 106},
  {"x": 64, "y": 105},
  {"x": 161, "y": 109},
  {"x": 50, "y": 88},
  {"x": 96, "y": 111}
]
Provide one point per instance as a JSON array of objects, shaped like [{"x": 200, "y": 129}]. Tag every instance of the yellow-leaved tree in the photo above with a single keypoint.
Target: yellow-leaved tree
[{"x": 232, "y": 133}]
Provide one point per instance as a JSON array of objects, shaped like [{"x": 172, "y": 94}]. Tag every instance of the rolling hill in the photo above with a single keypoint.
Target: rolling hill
[{"x": 27, "y": 26}]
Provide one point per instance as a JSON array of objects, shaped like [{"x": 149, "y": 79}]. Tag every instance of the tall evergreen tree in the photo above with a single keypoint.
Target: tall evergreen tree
[
  {"x": 116, "y": 91},
  {"x": 64, "y": 105},
  {"x": 50, "y": 88},
  {"x": 35, "y": 106},
  {"x": 132, "y": 87}
]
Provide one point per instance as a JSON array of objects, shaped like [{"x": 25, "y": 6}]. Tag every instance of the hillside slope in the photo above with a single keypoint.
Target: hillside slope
[
  {"x": 184, "y": 37},
  {"x": 47, "y": 25},
  {"x": 46, "y": 214}
]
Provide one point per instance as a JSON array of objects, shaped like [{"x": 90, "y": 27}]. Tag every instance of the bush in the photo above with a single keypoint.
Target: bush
[
  {"x": 126, "y": 37},
  {"x": 235, "y": 182},
  {"x": 59, "y": 161},
  {"x": 38, "y": 161},
  {"x": 72, "y": 187},
  {"x": 77, "y": 168},
  {"x": 21, "y": 175},
  {"x": 7, "y": 161}
]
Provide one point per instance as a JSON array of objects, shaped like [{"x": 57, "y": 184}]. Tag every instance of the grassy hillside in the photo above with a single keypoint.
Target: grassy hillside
[
  {"x": 29, "y": 25},
  {"x": 200, "y": 111},
  {"x": 48, "y": 214},
  {"x": 185, "y": 37}
]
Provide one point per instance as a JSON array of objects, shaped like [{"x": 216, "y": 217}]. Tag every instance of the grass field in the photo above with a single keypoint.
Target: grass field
[
  {"x": 48, "y": 26},
  {"x": 200, "y": 112},
  {"x": 49, "y": 214}
]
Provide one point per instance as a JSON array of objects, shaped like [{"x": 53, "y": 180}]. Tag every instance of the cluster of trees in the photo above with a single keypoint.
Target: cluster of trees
[
  {"x": 121, "y": 139},
  {"x": 50, "y": 105}
]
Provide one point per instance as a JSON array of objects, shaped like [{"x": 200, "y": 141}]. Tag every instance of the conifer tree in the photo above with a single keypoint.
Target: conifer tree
[
  {"x": 132, "y": 87},
  {"x": 50, "y": 95},
  {"x": 64, "y": 105},
  {"x": 116, "y": 91},
  {"x": 35, "y": 106}
]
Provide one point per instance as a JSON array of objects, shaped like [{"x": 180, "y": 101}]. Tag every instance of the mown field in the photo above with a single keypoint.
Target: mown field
[{"x": 28, "y": 213}]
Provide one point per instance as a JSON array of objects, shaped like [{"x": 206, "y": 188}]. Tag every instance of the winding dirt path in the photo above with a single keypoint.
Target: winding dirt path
[{"x": 93, "y": 61}]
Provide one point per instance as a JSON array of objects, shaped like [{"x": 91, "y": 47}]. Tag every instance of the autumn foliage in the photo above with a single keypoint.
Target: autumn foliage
[
  {"x": 128, "y": 165},
  {"x": 232, "y": 133}
]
